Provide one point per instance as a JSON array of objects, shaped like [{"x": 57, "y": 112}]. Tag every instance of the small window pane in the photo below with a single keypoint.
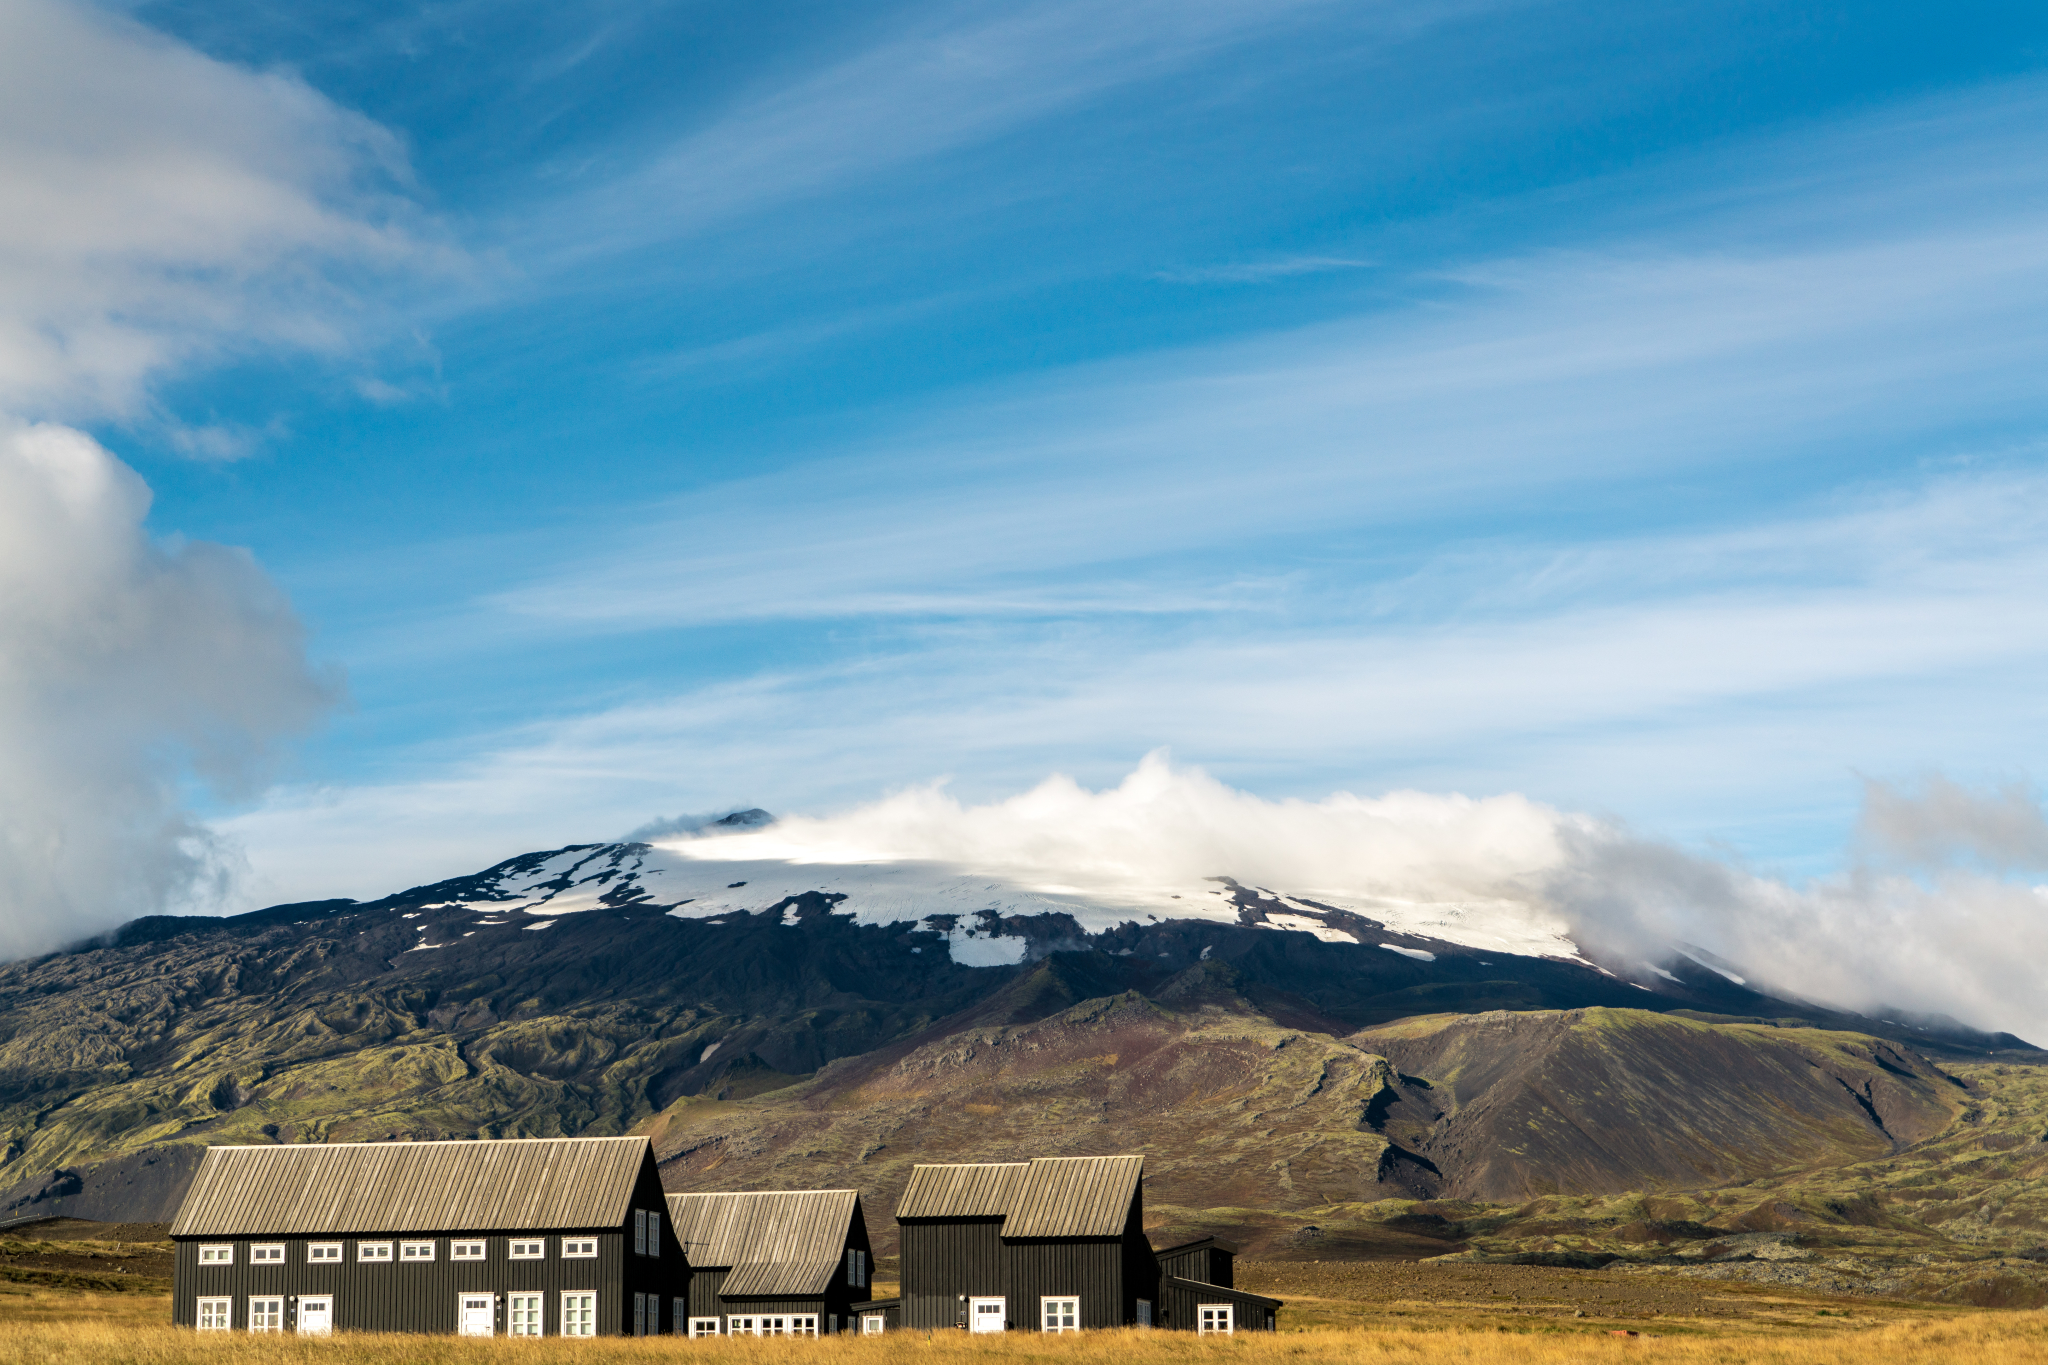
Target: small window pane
[
  {"x": 216, "y": 1315},
  {"x": 373, "y": 1251},
  {"x": 703, "y": 1327},
  {"x": 217, "y": 1255},
  {"x": 1061, "y": 1315},
  {"x": 323, "y": 1251},
  {"x": 579, "y": 1315},
  {"x": 266, "y": 1315},
  {"x": 579, "y": 1246},
  {"x": 268, "y": 1254},
  {"x": 416, "y": 1251},
  {"x": 465, "y": 1251},
  {"x": 529, "y": 1250}
]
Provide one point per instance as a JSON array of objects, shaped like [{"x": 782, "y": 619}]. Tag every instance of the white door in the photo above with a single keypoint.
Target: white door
[
  {"x": 474, "y": 1318},
  {"x": 985, "y": 1315},
  {"x": 316, "y": 1314}
]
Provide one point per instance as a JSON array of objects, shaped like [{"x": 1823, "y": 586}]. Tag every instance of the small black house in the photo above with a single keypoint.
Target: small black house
[
  {"x": 774, "y": 1263},
  {"x": 1052, "y": 1245},
  {"x": 1197, "y": 1291},
  {"x": 521, "y": 1237}
]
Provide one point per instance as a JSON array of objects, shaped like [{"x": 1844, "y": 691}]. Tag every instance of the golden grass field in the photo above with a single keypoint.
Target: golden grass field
[{"x": 67, "y": 1328}]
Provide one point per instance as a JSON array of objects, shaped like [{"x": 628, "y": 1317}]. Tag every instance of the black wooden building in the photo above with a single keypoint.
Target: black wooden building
[
  {"x": 522, "y": 1237},
  {"x": 1198, "y": 1293},
  {"x": 774, "y": 1263},
  {"x": 1056, "y": 1244}
]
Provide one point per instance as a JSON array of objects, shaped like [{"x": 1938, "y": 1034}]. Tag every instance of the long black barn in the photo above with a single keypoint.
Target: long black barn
[{"x": 519, "y": 1237}]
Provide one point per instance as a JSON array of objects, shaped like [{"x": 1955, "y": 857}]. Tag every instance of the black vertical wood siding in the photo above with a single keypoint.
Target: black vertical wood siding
[
  {"x": 1178, "y": 1300},
  {"x": 1208, "y": 1263},
  {"x": 943, "y": 1258}
]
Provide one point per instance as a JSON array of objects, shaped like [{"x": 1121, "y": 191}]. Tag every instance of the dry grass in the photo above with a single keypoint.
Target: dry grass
[{"x": 113, "y": 1330}]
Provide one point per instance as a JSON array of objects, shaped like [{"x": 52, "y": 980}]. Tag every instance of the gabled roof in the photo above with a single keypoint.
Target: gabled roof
[
  {"x": 516, "y": 1184},
  {"x": 1061, "y": 1196},
  {"x": 776, "y": 1242},
  {"x": 981, "y": 1190},
  {"x": 1197, "y": 1244}
]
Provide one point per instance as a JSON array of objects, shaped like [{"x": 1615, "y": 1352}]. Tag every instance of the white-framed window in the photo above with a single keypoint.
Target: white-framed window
[
  {"x": 323, "y": 1251},
  {"x": 653, "y": 1233},
  {"x": 1215, "y": 1318},
  {"x": 639, "y": 1232},
  {"x": 266, "y": 1315},
  {"x": 528, "y": 1249},
  {"x": 465, "y": 1251},
  {"x": 267, "y": 1253},
  {"x": 579, "y": 1246},
  {"x": 772, "y": 1325},
  {"x": 640, "y": 1314},
  {"x": 217, "y": 1255},
  {"x": 415, "y": 1251},
  {"x": 373, "y": 1251},
  {"x": 1059, "y": 1315},
  {"x": 856, "y": 1267},
  {"x": 579, "y": 1313},
  {"x": 1144, "y": 1312},
  {"x": 703, "y": 1327},
  {"x": 523, "y": 1315},
  {"x": 216, "y": 1315},
  {"x": 873, "y": 1324}
]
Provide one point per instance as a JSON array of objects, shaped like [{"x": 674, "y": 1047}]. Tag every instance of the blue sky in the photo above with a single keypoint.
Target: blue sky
[{"x": 1638, "y": 407}]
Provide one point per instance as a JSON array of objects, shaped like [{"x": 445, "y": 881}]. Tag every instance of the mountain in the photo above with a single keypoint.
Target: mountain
[{"x": 783, "y": 1023}]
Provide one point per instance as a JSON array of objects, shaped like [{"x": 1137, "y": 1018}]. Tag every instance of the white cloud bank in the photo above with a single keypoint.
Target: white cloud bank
[
  {"x": 1952, "y": 941},
  {"x": 162, "y": 209},
  {"x": 125, "y": 665}
]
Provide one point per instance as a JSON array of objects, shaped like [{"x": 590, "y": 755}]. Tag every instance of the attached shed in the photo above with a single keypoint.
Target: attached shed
[
  {"x": 518, "y": 1237},
  {"x": 1197, "y": 1293},
  {"x": 774, "y": 1263},
  {"x": 1053, "y": 1244}
]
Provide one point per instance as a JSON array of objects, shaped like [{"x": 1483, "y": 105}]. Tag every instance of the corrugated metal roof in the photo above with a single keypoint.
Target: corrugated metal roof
[
  {"x": 777, "y": 1242},
  {"x": 1075, "y": 1196},
  {"x": 980, "y": 1190},
  {"x": 1048, "y": 1196},
  {"x": 516, "y": 1184}
]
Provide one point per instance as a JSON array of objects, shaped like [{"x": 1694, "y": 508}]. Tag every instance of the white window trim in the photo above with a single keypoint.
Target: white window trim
[
  {"x": 1229, "y": 1327},
  {"x": 704, "y": 1327},
  {"x": 540, "y": 1327},
  {"x": 1043, "y": 1312},
  {"x": 366, "y": 1253},
  {"x": 217, "y": 1253},
  {"x": 568, "y": 1294},
  {"x": 250, "y": 1312},
  {"x": 256, "y": 1256},
  {"x": 654, "y": 1233},
  {"x": 333, "y": 1259},
  {"x": 873, "y": 1324},
  {"x": 461, "y": 1251},
  {"x": 539, "y": 1245},
  {"x": 224, "y": 1308},
  {"x": 406, "y": 1251},
  {"x": 584, "y": 1247}
]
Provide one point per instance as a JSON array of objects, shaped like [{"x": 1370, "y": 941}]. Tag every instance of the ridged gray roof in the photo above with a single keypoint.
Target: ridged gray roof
[
  {"x": 776, "y": 1242},
  {"x": 512, "y": 1184},
  {"x": 1049, "y": 1196}
]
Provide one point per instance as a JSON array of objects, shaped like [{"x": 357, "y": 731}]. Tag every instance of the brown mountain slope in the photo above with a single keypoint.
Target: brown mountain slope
[
  {"x": 1583, "y": 1101},
  {"x": 1244, "y": 1119}
]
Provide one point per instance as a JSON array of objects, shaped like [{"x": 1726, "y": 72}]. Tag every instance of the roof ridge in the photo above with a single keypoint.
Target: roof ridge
[{"x": 413, "y": 1142}]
